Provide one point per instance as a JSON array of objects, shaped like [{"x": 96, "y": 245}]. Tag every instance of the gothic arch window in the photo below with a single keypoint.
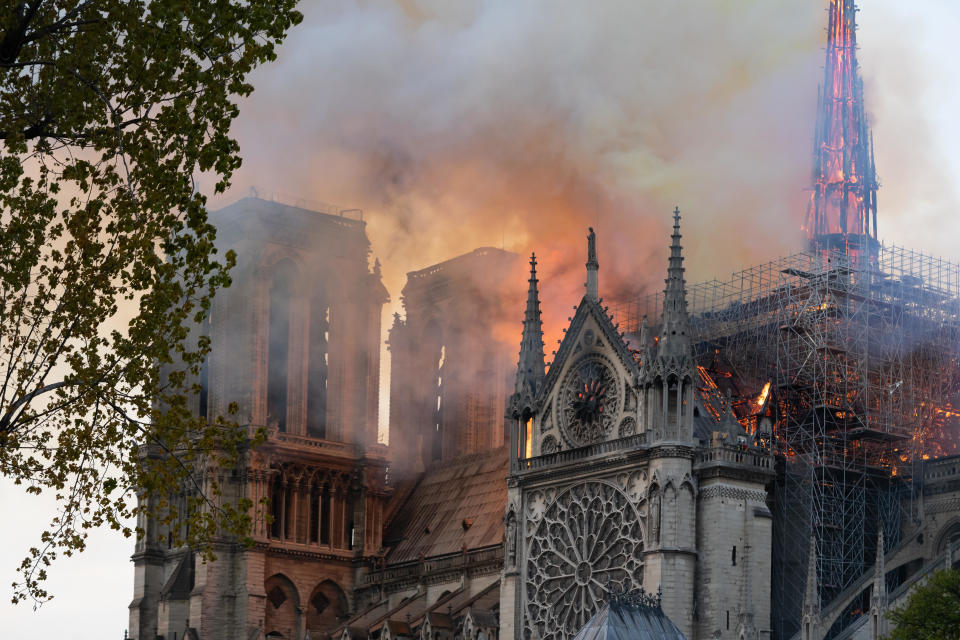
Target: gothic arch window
[
  {"x": 673, "y": 391},
  {"x": 277, "y": 510},
  {"x": 318, "y": 365},
  {"x": 325, "y": 514},
  {"x": 686, "y": 516},
  {"x": 313, "y": 507},
  {"x": 282, "y": 611},
  {"x": 349, "y": 505},
  {"x": 326, "y": 608},
  {"x": 589, "y": 539},
  {"x": 278, "y": 351},
  {"x": 951, "y": 536}
]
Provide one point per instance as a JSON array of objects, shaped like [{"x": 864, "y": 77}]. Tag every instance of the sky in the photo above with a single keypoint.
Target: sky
[{"x": 518, "y": 124}]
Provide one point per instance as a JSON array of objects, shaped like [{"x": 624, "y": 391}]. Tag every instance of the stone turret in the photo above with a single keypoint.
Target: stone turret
[
  {"x": 530, "y": 370},
  {"x": 810, "y": 626},
  {"x": 878, "y": 598},
  {"x": 669, "y": 374},
  {"x": 674, "y": 338},
  {"x": 530, "y": 365}
]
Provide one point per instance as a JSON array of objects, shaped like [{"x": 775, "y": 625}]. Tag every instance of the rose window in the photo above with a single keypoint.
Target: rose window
[
  {"x": 589, "y": 403},
  {"x": 588, "y": 541}
]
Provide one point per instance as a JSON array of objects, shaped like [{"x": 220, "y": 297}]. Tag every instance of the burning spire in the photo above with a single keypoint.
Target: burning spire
[
  {"x": 530, "y": 368},
  {"x": 843, "y": 206}
]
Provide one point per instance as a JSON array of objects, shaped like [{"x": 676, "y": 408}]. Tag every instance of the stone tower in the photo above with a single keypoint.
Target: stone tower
[
  {"x": 296, "y": 346},
  {"x": 668, "y": 399},
  {"x": 450, "y": 372}
]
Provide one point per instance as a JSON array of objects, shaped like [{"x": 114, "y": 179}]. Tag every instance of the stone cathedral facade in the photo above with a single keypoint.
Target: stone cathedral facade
[
  {"x": 619, "y": 480},
  {"x": 298, "y": 336},
  {"x": 620, "y": 467},
  {"x": 606, "y": 475}
]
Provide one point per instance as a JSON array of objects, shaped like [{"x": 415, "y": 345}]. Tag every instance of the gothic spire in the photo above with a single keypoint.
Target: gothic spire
[
  {"x": 592, "y": 266},
  {"x": 843, "y": 203},
  {"x": 530, "y": 368},
  {"x": 673, "y": 335},
  {"x": 879, "y": 595},
  {"x": 811, "y": 597}
]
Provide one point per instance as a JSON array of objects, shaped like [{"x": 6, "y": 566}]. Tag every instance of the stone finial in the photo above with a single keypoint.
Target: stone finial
[{"x": 593, "y": 266}]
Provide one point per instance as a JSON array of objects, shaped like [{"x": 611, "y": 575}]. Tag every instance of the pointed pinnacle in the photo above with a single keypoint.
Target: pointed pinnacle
[{"x": 530, "y": 366}]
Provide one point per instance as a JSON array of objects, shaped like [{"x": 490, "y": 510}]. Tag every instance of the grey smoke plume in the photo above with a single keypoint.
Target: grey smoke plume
[
  {"x": 494, "y": 122},
  {"x": 455, "y": 125}
]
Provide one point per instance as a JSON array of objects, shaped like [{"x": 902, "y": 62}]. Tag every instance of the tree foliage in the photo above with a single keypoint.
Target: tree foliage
[
  {"x": 108, "y": 111},
  {"x": 932, "y": 611}
]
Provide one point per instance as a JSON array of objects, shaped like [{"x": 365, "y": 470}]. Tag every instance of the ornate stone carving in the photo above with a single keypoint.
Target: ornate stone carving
[
  {"x": 733, "y": 493},
  {"x": 511, "y": 539},
  {"x": 628, "y": 427},
  {"x": 589, "y": 401},
  {"x": 589, "y": 539},
  {"x": 548, "y": 446},
  {"x": 536, "y": 505}
]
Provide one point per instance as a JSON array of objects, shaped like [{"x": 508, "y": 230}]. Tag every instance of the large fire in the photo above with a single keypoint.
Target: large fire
[{"x": 843, "y": 205}]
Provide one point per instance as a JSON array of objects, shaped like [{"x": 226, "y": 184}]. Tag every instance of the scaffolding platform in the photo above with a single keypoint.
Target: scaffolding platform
[{"x": 862, "y": 349}]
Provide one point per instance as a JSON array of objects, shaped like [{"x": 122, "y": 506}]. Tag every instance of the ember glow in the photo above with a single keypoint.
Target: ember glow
[
  {"x": 843, "y": 204},
  {"x": 764, "y": 394}
]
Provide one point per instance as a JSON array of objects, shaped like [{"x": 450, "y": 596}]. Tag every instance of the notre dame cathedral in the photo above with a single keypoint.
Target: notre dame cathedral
[
  {"x": 622, "y": 466},
  {"x": 782, "y": 465},
  {"x": 603, "y": 476}
]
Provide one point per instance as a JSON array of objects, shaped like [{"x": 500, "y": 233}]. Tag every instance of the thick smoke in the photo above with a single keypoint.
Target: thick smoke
[{"x": 456, "y": 125}]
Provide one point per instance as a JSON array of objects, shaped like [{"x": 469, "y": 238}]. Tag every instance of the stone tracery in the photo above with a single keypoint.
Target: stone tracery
[
  {"x": 589, "y": 402},
  {"x": 589, "y": 540}
]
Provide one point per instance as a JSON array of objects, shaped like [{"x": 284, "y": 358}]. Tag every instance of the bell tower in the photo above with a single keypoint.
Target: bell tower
[{"x": 295, "y": 345}]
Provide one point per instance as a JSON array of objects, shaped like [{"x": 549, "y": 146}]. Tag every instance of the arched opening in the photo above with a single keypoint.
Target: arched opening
[
  {"x": 318, "y": 366},
  {"x": 525, "y": 441},
  {"x": 313, "y": 536},
  {"x": 277, "y": 507},
  {"x": 278, "y": 353},
  {"x": 673, "y": 405},
  {"x": 349, "y": 505},
  {"x": 282, "y": 610},
  {"x": 950, "y": 538},
  {"x": 327, "y": 608},
  {"x": 325, "y": 506}
]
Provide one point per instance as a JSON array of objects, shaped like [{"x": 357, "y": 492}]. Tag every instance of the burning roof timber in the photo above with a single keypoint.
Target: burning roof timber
[{"x": 892, "y": 329}]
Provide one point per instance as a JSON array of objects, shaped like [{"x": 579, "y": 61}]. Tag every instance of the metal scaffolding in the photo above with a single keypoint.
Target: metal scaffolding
[{"x": 861, "y": 350}]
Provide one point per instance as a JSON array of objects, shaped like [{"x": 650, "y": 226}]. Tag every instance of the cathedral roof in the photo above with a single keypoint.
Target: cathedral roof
[
  {"x": 619, "y": 620},
  {"x": 457, "y": 504}
]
